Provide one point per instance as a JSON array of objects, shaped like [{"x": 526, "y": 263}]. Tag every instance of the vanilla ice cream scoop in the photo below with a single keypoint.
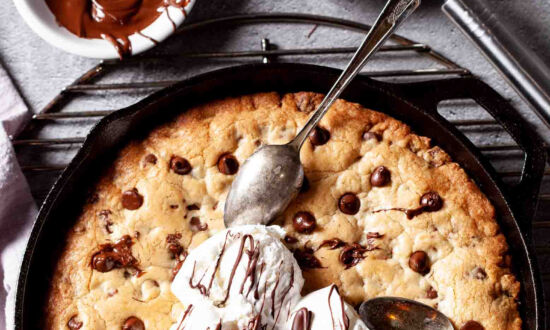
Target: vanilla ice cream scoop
[
  {"x": 240, "y": 278},
  {"x": 324, "y": 309}
]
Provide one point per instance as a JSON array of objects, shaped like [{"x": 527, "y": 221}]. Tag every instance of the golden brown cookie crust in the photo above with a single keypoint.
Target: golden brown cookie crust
[{"x": 469, "y": 276}]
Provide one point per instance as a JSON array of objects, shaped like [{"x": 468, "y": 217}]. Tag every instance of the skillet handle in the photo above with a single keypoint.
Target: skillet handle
[{"x": 523, "y": 196}]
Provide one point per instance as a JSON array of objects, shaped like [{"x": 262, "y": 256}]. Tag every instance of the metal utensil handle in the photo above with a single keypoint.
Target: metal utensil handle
[
  {"x": 520, "y": 66},
  {"x": 393, "y": 14}
]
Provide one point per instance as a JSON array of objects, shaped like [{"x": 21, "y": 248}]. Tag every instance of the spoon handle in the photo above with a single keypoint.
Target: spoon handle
[{"x": 393, "y": 14}]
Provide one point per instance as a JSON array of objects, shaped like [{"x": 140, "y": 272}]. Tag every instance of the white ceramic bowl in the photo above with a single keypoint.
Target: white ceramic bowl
[{"x": 42, "y": 21}]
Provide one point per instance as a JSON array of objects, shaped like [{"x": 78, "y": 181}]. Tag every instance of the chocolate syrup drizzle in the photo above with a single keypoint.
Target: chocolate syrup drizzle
[
  {"x": 253, "y": 253},
  {"x": 344, "y": 322}
]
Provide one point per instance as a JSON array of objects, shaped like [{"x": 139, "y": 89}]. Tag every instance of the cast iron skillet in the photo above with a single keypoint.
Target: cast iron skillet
[{"x": 413, "y": 103}]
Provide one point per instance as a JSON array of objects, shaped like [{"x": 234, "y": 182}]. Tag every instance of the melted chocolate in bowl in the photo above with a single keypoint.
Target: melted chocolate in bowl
[{"x": 112, "y": 20}]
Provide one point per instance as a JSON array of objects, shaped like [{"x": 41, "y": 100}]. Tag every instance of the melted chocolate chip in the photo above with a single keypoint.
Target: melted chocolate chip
[
  {"x": 418, "y": 261},
  {"x": 116, "y": 255},
  {"x": 180, "y": 165},
  {"x": 332, "y": 243},
  {"x": 431, "y": 201},
  {"x": 302, "y": 319},
  {"x": 290, "y": 239},
  {"x": 304, "y": 222},
  {"x": 151, "y": 159},
  {"x": 306, "y": 259},
  {"x": 352, "y": 254},
  {"x": 131, "y": 199},
  {"x": 197, "y": 225},
  {"x": 380, "y": 177},
  {"x": 371, "y": 136},
  {"x": 74, "y": 323},
  {"x": 349, "y": 203},
  {"x": 472, "y": 325},
  {"x": 319, "y": 136},
  {"x": 133, "y": 323},
  {"x": 431, "y": 293},
  {"x": 228, "y": 164}
]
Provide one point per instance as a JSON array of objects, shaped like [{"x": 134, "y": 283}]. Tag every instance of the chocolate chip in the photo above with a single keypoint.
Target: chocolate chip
[
  {"x": 304, "y": 222},
  {"x": 380, "y": 177},
  {"x": 74, "y": 323},
  {"x": 319, "y": 136},
  {"x": 290, "y": 239},
  {"x": 431, "y": 293},
  {"x": 431, "y": 201},
  {"x": 151, "y": 159},
  {"x": 418, "y": 261},
  {"x": 133, "y": 323},
  {"x": 104, "y": 261},
  {"x": 472, "y": 325},
  {"x": 371, "y": 136},
  {"x": 180, "y": 165},
  {"x": 352, "y": 254},
  {"x": 228, "y": 164},
  {"x": 131, "y": 199},
  {"x": 305, "y": 185},
  {"x": 479, "y": 273},
  {"x": 306, "y": 259},
  {"x": 193, "y": 207},
  {"x": 332, "y": 243},
  {"x": 196, "y": 224},
  {"x": 349, "y": 203}
]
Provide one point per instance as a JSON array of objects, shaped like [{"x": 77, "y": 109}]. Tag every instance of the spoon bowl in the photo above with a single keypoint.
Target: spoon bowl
[
  {"x": 400, "y": 313},
  {"x": 264, "y": 186}
]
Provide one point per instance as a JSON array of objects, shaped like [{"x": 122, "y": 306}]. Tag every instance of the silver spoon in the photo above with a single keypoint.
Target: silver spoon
[
  {"x": 272, "y": 176},
  {"x": 400, "y": 313}
]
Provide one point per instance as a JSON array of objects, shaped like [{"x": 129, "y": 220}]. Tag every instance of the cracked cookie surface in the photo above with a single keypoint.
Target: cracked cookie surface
[{"x": 382, "y": 213}]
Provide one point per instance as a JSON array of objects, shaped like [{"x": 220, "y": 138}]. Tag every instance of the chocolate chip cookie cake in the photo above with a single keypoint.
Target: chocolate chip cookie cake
[{"x": 382, "y": 212}]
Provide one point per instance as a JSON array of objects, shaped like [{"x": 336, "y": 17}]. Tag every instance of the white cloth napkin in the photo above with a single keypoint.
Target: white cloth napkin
[{"x": 17, "y": 207}]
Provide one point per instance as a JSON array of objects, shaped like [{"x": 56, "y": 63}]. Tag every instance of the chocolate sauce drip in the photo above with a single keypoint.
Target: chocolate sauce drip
[
  {"x": 186, "y": 314},
  {"x": 302, "y": 319},
  {"x": 344, "y": 323},
  {"x": 205, "y": 291},
  {"x": 235, "y": 265}
]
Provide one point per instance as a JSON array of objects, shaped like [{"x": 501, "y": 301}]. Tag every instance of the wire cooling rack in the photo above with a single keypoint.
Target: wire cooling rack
[{"x": 54, "y": 134}]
